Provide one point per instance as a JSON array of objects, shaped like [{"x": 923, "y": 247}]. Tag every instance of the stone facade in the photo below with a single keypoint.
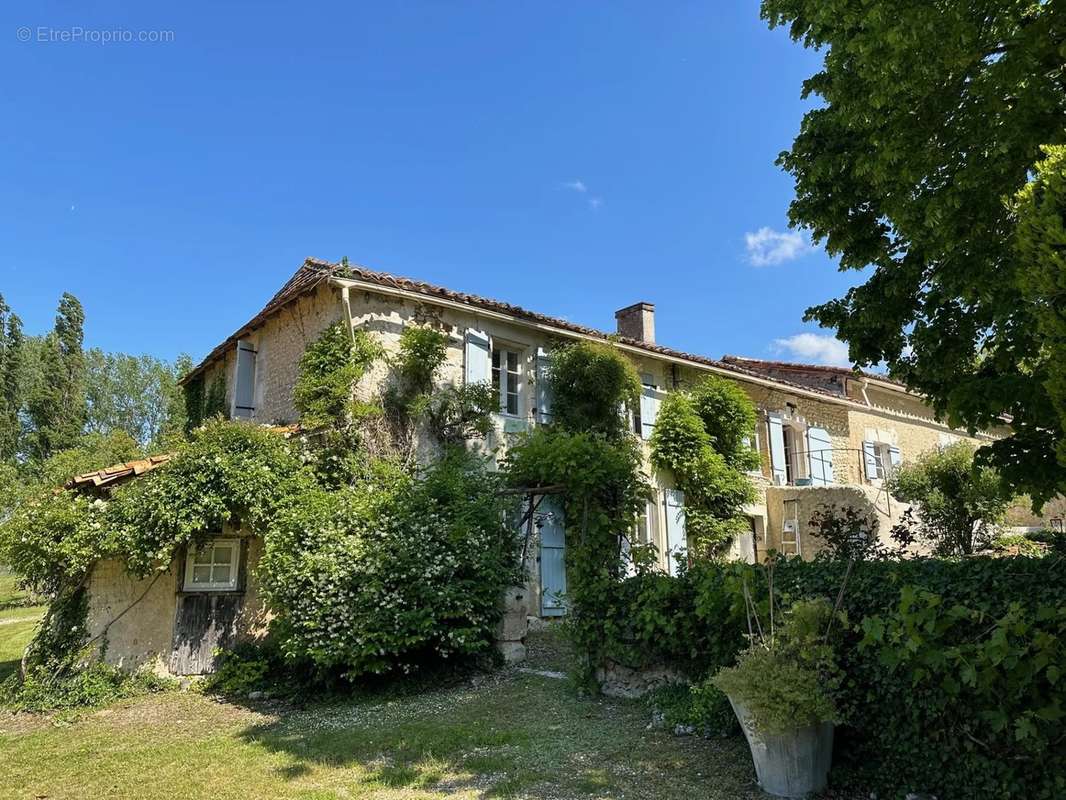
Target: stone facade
[
  {"x": 133, "y": 619},
  {"x": 846, "y": 408}
]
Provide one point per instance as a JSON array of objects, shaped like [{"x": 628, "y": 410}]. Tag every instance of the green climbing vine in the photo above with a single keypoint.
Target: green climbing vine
[{"x": 702, "y": 436}]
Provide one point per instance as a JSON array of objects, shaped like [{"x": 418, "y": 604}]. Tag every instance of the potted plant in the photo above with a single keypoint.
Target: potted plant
[{"x": 781, "y": 690}]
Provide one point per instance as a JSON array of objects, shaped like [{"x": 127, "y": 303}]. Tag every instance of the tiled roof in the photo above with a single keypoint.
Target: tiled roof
[
  {"x": 117, "y": 472},
  {"x": 476, "y": 301},
  {"x": 314, "y": 271},
  {"x": 760, "y": 365},
  {"x": 304, "y": 280}
]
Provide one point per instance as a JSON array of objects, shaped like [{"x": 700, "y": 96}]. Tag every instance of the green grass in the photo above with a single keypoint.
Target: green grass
[
  {"x": 510, "y": 734},
  {"x": 18, "y": 621}
]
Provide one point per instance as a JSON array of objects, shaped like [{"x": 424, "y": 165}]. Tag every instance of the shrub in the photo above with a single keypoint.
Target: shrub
[
  {"x": 958, "y": 502},
  {"x": 701, "y": 706},
  {"x": 952, "y": 669},
  {"x": 786, "y": 679},
  {"x": 846, "y": 532},
  {"x": 392, "y": 574}
]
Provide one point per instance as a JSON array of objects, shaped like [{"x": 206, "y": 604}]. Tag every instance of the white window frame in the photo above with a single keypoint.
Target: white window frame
[
  {"x": 883, "y": 458},
  {"x": 1056, "y": 524},
  {"x": 213, "y": 586},
  {"x": 498, "y": 354}
]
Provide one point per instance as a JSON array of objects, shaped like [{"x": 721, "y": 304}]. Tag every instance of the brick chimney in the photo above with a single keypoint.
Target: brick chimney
[{"x": 637, "y": 322}]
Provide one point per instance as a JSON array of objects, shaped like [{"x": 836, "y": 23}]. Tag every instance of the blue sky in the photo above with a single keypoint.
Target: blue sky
[{"x": 569, "y": 157}]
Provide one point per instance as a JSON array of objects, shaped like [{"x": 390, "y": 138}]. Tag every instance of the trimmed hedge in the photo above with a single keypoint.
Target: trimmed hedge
[{"x": 954, "y": 668}]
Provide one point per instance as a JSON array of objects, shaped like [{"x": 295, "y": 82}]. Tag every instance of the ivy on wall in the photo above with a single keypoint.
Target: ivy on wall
[{"x": 702, "y": 436}]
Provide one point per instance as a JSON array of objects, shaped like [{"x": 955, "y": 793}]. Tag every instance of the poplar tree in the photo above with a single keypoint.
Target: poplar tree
[
  {"x": 11, "y": 357},
  {"x": 57, "y": 407}
]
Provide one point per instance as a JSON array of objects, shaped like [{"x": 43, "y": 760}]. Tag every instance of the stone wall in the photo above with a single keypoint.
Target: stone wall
[
  {"x": 800, "y": 502},
  {"x": 134, "y": 617}
]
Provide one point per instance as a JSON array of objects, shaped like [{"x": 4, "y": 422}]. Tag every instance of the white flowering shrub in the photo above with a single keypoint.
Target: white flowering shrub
[{"x": 394, "y": 574}]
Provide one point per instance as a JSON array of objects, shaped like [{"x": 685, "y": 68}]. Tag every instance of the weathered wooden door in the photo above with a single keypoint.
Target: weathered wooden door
[
  {"x": 552, "y": 558},
  {"x": 204, "y": 622}
]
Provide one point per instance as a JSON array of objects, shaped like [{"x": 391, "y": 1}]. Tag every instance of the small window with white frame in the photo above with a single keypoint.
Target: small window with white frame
[
  {"x": 1056, "y": 525},
  {"x": 212, "y": 567},
  {"x": 507, "y": 379}
]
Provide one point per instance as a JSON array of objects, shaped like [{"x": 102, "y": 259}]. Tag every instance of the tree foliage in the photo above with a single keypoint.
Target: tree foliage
[
  {"x": 591, "y": 383},
  {"x": 1040, "y": 208},
  {"x": 57, "y": 407},
  {"x": 135, "y": 394},
  {"x": 958, "y": 502},
  {"x": 11, "y": 386},
  {"x": 931, "y": 116}
]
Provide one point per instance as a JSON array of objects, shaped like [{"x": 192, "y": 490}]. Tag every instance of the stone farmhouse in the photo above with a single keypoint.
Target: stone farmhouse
[{"x": 826, "y": 436}]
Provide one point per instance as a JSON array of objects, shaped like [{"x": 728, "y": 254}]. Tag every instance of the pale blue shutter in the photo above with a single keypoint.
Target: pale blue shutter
[
  {"x": 649, "y": 409},
  {"x": 244, "y": 391},
  {"x": 870, "y": 460},
  {"x": 544, "y": 389},
  {"x": 776, "y": 430},
  {"x": 552, "y": 558},
  {"x": 820, "y": 456},
  {"x": 676, "y": 539},
  {"x": 478, "y": 368}
]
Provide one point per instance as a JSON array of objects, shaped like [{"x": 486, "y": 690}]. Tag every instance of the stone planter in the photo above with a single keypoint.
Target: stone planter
[{"x": 792, "y": 764}]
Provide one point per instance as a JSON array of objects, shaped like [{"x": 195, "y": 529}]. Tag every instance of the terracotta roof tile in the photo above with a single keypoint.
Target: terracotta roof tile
[{"x": 117, "y": 472}]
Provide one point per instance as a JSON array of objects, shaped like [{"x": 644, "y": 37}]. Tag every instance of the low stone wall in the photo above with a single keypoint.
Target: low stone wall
[{"x": 618, "y": 680}]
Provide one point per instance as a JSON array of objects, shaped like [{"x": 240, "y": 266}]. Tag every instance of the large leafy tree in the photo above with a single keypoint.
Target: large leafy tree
[
  {"x": 135, "y": 394},
  {"x": 933, "y": 116}
]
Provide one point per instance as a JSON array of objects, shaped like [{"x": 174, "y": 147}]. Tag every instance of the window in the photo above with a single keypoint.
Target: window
[
  {"x": 881, "y": 460},
  {"x": 213, "y": 567},
  {"x": 506, "y": 377},
  {"x": 1056, "y": 525}
]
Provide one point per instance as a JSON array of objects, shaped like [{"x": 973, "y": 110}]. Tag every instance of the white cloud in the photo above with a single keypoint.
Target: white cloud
[
  {"x": 767, "y": 246},
  {"x": 580, "y": 187},
  {"x": 816, "y": 348}
]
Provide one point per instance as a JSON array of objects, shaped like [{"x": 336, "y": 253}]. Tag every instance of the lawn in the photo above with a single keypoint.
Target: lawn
[
  {"x": 508, "y": 734},
  {"x": 18, "y": 620}
]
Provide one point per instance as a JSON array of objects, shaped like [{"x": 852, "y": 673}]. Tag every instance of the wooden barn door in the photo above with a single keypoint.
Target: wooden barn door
[{"x": 204, "y": 623}]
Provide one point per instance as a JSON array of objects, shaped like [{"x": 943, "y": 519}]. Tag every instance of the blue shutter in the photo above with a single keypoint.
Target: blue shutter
[
  {"x": 544, "y": 389},
  {"x": 676, "y": 538},
  {"x": 478, "y": 368},
  {"x": 552, "y": 557},
  {"x": 870, "y": 460},
  {"x": 244, "y": 391},
  {"x": 776, "y": 431},
  {"x": 650, "y": 399},
  {"x": 820, "y": 456}
]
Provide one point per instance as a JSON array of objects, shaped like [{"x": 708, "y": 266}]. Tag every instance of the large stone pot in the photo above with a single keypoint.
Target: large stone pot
[{"x": 792, "y": 764}]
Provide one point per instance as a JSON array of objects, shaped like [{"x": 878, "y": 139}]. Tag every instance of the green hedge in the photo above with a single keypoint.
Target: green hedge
[{"x": 954, "y": 682}]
